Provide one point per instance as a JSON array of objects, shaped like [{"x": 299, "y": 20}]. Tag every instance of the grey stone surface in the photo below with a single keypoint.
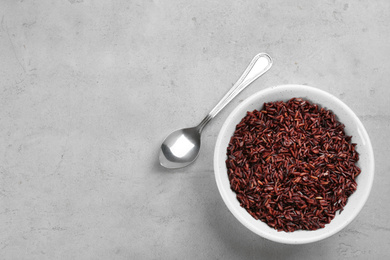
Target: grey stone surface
[{"x": 89, "y": 89}]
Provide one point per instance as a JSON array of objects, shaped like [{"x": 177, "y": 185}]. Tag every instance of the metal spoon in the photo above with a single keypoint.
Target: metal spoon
[{"x": 181, "y": 147}]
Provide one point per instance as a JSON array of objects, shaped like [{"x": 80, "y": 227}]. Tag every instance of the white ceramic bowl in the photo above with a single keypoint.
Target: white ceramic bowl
[{"x": 353, "y": 127}]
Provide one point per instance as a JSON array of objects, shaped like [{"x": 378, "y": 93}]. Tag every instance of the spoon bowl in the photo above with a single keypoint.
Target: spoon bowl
[{"x": 180, "y": 148}]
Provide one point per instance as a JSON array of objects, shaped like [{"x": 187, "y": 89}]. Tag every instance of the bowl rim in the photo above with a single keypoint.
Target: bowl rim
[{"x": 219, "y": 147}]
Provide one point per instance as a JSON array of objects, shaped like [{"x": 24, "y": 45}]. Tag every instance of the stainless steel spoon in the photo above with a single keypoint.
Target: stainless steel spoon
[{"x": 181, "y": 147}]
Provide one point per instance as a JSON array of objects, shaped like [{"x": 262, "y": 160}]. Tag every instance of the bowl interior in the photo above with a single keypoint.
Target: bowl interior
[{"x": 353, "y": 127}]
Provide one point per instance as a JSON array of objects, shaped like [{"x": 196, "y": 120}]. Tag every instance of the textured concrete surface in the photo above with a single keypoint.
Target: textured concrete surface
[{"x": 89, "y": 89}]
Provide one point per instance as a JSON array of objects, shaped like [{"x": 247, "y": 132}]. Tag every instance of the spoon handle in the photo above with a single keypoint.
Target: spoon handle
[{"x": 260, "y": 64}]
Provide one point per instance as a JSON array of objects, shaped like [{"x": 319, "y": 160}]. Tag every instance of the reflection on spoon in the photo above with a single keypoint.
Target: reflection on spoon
[{"x": 182, "y": 146}]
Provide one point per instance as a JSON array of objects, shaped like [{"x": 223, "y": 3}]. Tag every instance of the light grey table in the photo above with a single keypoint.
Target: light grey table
[{"x": 89, "y": 89}]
